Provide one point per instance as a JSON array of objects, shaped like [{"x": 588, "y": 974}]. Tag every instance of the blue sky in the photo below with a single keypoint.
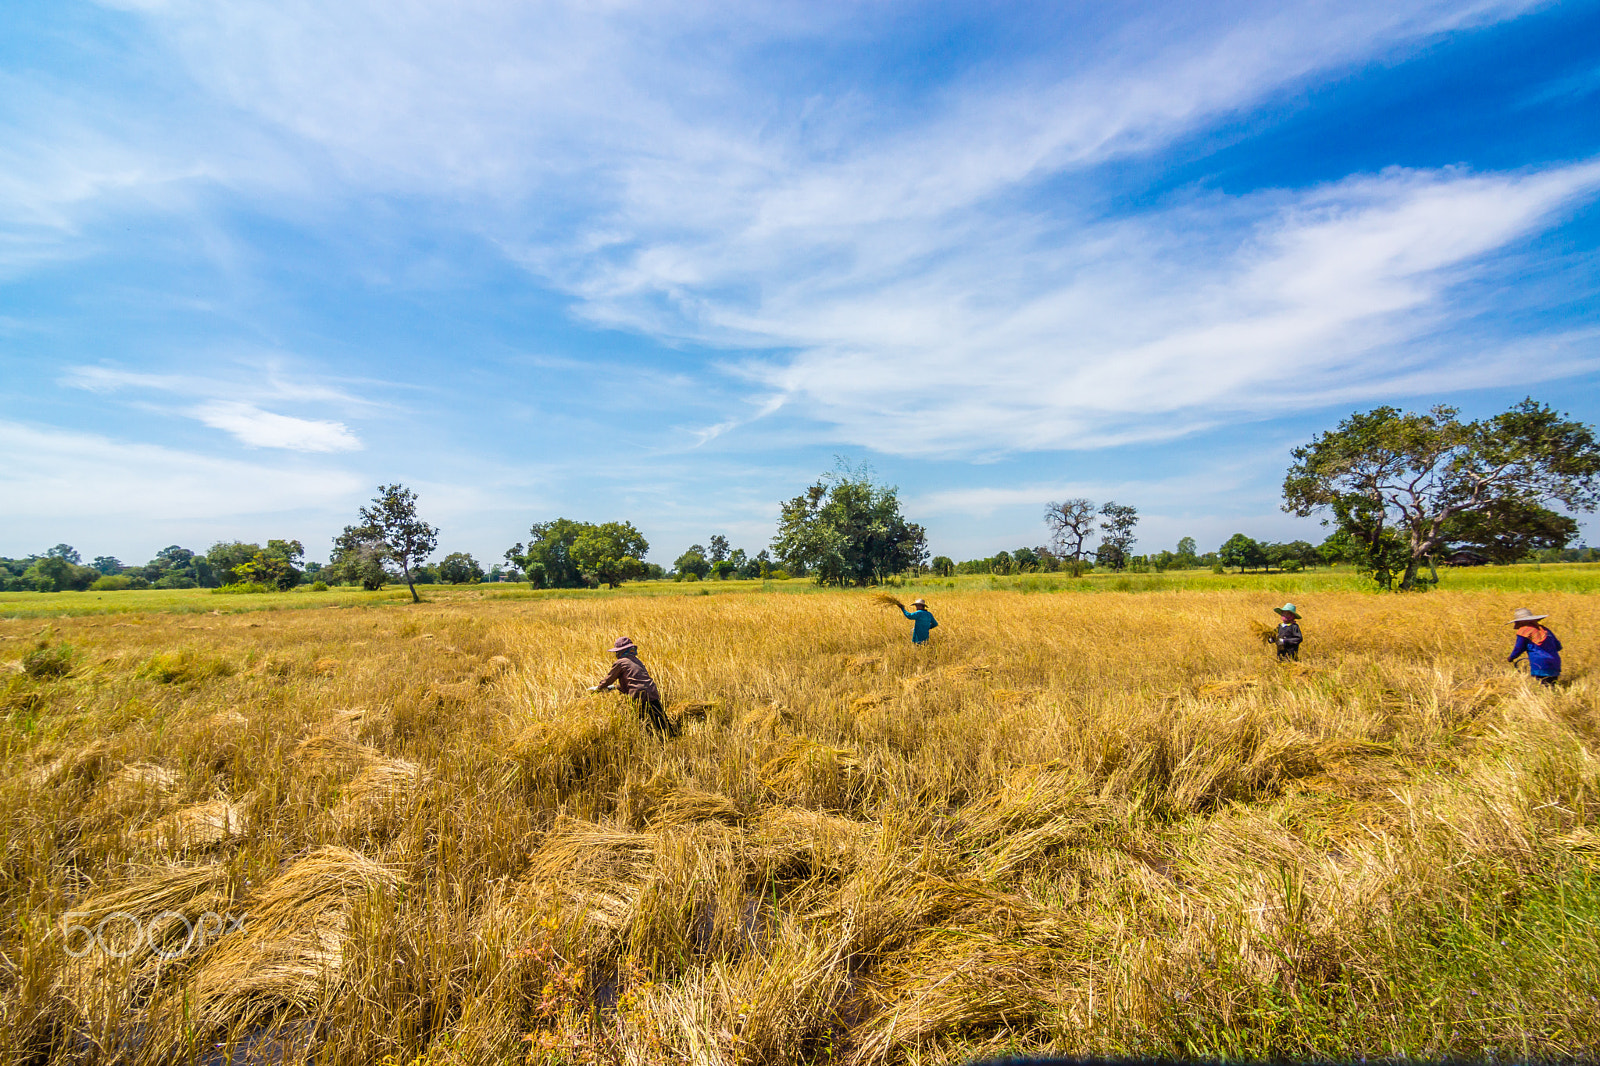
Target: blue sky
[{"x": 665, "y": 262}]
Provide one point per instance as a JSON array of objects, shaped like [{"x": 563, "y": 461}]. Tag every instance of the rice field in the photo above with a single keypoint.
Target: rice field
[{"x": 366, "y": 831}]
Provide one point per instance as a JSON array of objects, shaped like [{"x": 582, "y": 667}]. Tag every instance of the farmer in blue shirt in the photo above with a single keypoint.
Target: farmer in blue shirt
[
  {"x": 1540, "y": 645},
  {"x": 922, "y": 621}
]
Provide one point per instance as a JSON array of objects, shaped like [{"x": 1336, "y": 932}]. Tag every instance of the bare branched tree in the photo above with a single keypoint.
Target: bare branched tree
[{"x": 1071, "y": 523}]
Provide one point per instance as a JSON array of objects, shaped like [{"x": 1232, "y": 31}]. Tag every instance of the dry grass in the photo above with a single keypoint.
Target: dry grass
[{"x": 1031, "y": 837}]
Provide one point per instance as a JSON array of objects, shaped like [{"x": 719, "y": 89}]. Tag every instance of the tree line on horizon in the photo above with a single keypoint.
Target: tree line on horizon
[{"x": 1401, "y": 490}]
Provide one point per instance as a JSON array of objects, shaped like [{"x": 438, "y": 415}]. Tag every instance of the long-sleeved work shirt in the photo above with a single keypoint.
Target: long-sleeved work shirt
[
  {"x": 1289, "y": 635},
  {"x": 921, "y": 622},
  {"x": 631, "y": 679},
  {"x": 1544, "y": 658}
]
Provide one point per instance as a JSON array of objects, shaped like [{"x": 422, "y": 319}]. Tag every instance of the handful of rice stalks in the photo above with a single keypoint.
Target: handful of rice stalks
[
  {"x": 1265, "y": 633},
  {"x": 888, "y": 600}
]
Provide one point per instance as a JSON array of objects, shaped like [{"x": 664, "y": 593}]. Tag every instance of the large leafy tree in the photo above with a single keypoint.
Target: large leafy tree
[
  {"x": 547, "y": 559},
  {"x": 1243, "y": 552},
  {"x": 610, "y": 553},
  {"x": 276, "y": 565},
  {"x": 848, "y": 531},
  {"x": 1116, "y": 534},
  {"x": 1510, "y": 530},
  {"x": 358, "y": 557},
  {"x": 459, "y": 568},
  {"x": 1398, "y": 483},
  {"x": 693, "y": 561},
  {"x": 392, "y": 521}
]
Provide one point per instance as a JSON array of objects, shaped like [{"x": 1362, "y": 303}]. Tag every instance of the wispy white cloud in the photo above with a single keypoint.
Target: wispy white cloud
[
  {"x": 264, "y": 429},
  {"x": 133, "y": 495},
  {"x": 936, "y": 277}
]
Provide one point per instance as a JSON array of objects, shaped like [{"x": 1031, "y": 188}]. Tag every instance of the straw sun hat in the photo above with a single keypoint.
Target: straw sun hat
[{"x": 1522, "y": 616}]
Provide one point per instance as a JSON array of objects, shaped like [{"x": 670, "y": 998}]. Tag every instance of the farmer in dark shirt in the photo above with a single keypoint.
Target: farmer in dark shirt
[
  {"x": 922, "y": 621},
  {"x": 1538, "y": 644},
  {"x": 1288, "y": 638},
  {"x": 632, "y": 679}
]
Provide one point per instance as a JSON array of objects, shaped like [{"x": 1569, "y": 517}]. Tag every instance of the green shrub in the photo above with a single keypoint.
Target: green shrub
[
  {"x": 112, "y": 583},
  {"x": 243, "y": 587},
  {"x": 319, "y": 586},
  {"x": 47, "y": 662},
  {"x": 778, "y": 575},
  {"x": 183, "y": 667}
]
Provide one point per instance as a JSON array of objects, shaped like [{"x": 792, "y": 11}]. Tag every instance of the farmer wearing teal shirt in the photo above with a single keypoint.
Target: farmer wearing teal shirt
[{"x": 922, "y": 621}]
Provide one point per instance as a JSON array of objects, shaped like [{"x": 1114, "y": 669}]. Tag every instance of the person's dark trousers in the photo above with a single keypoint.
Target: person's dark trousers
[
  {"x": 1289, "y": 651},
  {"x": 651, "y": 711},
  {"x": 1549, "y": 681}
]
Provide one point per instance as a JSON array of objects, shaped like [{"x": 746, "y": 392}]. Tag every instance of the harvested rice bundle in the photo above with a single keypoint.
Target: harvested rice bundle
[
  {"x": 497, "y": 666},
  {"x": 571, "y": 749},
  {"x": 682, "y": 805},
  {"x": 1228, "y": 687},
  {"x": 770, "y": 719},
  {"x": 332, "y": 752},
  {"x": 795, "y": 841},
  {"x": 888, "y": 600},
  {"x": 808, "y": 773},
  {"x": 376, "y": 799},
  {"x": 597, "y": 871},
  {"x": 1265, "y": 633},
  {"x": 119, "y": 942},
  {"x": 202, "y": 825},
  {"x": 870, "y": 701},
  {"x": 950, "y": 984},
  {"x": 144, "y": 776},
  {"x": 85, "y": 763},
  {"x": 289, "y": 952}
]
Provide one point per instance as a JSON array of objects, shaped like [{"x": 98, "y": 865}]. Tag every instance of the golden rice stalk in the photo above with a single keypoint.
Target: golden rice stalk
[
  {"x": 860, "y": 663},
  {"x": 967, "y": 671},
  {"x": 325, "y": 666},
  {"x": 888, "y": 600},
  {"x": 202, "y": 825},
  {"x": 1264, "y": 631},
  {"x": 1041, "y": 808},
  {"x": 289, "y": 949},
  {"x": 868, "y": 702}
]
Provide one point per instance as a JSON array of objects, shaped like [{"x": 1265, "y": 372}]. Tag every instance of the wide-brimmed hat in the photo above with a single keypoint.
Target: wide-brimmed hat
[
  {"x": 624, "y": 644},
  {"x": 1287, "y": 608},
  {"x": 919, "y": 602},
  {"x": 1522, "y": 616}
]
